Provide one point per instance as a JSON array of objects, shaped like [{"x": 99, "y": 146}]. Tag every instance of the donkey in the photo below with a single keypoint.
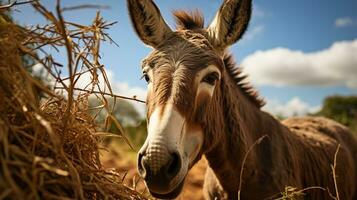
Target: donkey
[{"x": 199, "y": 103}]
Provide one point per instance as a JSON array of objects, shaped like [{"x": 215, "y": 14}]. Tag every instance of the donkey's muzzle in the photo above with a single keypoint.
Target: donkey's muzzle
[{"x": 159, "y": 168}]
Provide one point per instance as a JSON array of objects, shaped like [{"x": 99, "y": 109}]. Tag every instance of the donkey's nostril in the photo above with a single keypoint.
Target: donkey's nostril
[{"x": 174, "y": 166}]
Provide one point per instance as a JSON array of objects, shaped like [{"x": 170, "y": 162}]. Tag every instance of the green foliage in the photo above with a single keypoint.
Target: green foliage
[
  {"x": 133, "y": 123},
  {"x": 137, "y": 133},
  {"x": 342, "y": 109},
  {"x": 122, "y": 110}
]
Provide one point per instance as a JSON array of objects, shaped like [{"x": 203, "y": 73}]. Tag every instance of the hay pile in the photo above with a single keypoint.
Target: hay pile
[{"x": 49, "y": 145}]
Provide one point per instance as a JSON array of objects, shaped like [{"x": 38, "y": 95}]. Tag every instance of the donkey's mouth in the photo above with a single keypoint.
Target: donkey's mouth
[{"x": 171, "y": 195}]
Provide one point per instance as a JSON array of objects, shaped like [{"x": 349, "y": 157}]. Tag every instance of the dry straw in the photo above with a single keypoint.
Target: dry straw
[{"x": 49, "y": 146}]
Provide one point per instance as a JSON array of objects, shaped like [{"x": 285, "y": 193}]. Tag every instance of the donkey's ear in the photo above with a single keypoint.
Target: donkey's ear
[
  {"x": 230, "y": 23},
  {"x": 148, "y": 22}
]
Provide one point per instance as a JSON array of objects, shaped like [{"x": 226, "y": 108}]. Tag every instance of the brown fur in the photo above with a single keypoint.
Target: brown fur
[
  {"x": 184, "y": 20},
  {"x": 298, "y": 152}
]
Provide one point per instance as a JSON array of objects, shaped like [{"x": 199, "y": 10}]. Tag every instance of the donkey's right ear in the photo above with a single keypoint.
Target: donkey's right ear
[{"x": 148, "y": 22}]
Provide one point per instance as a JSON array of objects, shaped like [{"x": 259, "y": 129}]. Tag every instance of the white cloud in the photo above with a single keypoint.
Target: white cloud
[
  {"x": 125, "y": 89},
  {"x": 41, "y": 72},
  {"x": 118, "y": 88},
  {"x": 294, "y": 107},
  {"x": 335, "y": 66},
  {"x": 344, "y": 22}
]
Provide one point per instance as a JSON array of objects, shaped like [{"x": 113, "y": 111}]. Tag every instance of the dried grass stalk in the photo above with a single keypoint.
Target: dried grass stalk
[{"x": 49, "y": 148}]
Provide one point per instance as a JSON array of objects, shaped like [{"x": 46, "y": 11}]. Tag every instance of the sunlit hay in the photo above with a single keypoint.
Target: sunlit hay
[{"x": 49, "y": 146}]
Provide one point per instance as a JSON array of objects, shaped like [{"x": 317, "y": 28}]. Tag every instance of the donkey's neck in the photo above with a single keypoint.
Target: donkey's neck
[{"x": 236, "y": 125}]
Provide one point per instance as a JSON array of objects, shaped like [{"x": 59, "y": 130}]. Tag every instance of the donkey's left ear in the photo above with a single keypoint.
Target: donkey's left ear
[
  {"x": 148, "y": 22},
  {"x": 230, "y": 23}
]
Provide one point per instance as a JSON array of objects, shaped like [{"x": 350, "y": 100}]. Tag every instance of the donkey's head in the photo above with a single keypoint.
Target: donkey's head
[{"x": 184, "y": 74}]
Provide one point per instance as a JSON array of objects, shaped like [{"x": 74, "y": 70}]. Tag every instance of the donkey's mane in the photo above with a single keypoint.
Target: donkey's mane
[
  {"x": 194, "y": 20},
  {"x": 241, "y": 80}
]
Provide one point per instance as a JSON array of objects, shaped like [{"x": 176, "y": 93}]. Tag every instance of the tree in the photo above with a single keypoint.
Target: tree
[
  {"x": 342, "y": 109},
  {"x": 133, "y": 123},
  {"x": 121, "y": 109}
]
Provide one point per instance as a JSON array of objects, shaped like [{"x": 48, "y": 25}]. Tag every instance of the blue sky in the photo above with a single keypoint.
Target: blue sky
[{"x": 297, "y": 52}]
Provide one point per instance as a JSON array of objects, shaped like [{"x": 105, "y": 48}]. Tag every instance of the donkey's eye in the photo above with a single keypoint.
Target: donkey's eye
[
  {"x": 146, "y": 77},
  {"x": 211, "y": 78}
]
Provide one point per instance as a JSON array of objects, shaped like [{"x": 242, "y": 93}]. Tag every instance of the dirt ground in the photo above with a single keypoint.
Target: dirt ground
[{"x": 125, "y": 161}]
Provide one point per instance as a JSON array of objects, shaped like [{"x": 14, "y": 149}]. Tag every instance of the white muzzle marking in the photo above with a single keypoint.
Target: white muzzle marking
[
  {"x": 164, "y": 133},
  {"x": 168, "y": 133}
]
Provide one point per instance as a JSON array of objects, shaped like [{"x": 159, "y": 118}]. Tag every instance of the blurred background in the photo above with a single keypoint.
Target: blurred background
[{"x": 300, "y": 55}]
